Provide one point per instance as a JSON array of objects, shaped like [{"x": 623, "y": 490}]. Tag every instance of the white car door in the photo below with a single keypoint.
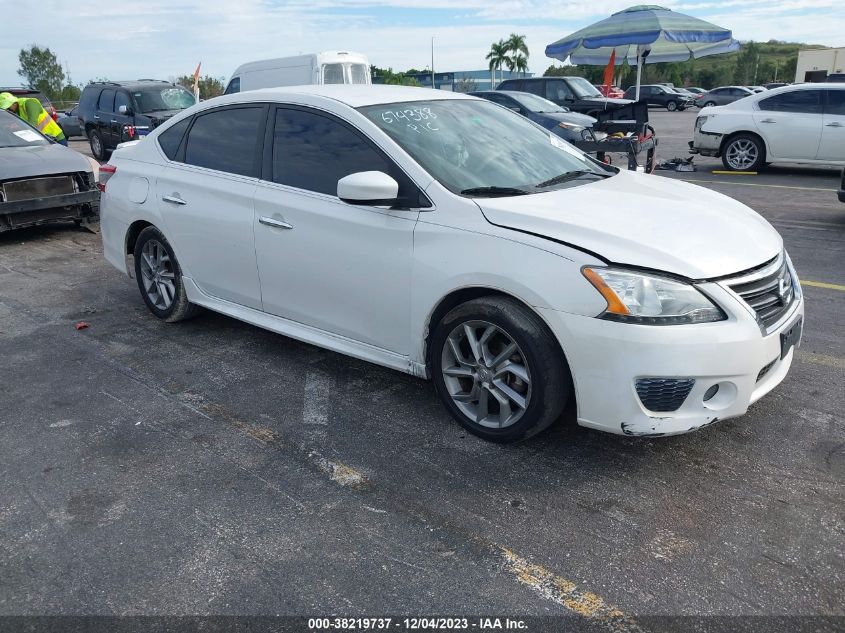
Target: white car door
[
  {"x": 833, "y": 126},
  {"x": 791, "y": 124},
  {"x": 206, "y": 197},
  {"x": 341, "y": 268}
]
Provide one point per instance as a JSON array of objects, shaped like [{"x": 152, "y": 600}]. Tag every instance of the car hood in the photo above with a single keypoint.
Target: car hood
[
  {"x": 40, "y": 160},
  {"x": 570, "y": 117},
  {"x": 160, "y": 115},
  {"x": 645, "y": 221},
  {"x": 608, "y": 101}
]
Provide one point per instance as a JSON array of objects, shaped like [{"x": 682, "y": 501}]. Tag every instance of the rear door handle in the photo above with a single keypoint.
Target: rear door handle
[
  {"x": 279, "y": 224},
  {"x": 173, "y": 199},
  {"x": 834, "y": 124},
  {"x": 768, "y": 121}
]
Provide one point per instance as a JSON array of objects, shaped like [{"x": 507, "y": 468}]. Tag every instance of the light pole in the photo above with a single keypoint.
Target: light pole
[{"x": 432, "y": 63}]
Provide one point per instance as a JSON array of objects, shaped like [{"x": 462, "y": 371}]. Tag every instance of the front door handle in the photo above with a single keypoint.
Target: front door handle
[
  {"x": 173, "y": 199},
  {"x": 834, "y": 124},
  {"x": 279, "y": 224},
  {"x": 768, "y": 121}
]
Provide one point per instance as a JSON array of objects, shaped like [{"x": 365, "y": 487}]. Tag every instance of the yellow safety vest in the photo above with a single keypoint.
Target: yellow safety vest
[{"x": 43, "y": 121}]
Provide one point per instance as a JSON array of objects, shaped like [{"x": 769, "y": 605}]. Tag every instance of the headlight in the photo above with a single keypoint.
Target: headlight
[
  {"x": 650, "y": 300},
  {"x": 568, "y": 126},
  {"x": 700, "y": 121}
]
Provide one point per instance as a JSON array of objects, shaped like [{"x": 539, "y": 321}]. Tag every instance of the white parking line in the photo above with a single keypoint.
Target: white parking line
[{"x": 755, "y": 184}]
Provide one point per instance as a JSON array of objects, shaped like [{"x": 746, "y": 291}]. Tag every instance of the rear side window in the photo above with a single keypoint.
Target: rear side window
[
  {"x": 225, "y": 140},
  {"x": 106, "y": 103},
  {"x": 835, "y": 102},
  {"x": 534, "y": 87},
  {"x": 88, "y": 100},
  {"x": 234, "y": 86},
  {"x": 804, "y": 101},
  {"x": 170, "y": 139}
]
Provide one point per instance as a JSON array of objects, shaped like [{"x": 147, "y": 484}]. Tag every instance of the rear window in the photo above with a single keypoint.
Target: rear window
[
  {"x": 333, "y": 74},
  {"x": 225, "y": 140},
  {"x": 358, "y": 73}
]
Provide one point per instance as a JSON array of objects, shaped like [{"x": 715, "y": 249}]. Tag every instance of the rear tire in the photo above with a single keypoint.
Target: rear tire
[
  {"x": 672, "y": 106},
  {"x": 97, "y": 147},
  {"x": 159, "y": 278},
  {"x": 498, "y": 369}
]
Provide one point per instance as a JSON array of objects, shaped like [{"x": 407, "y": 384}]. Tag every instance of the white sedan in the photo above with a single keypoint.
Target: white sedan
[
  {"x": 793, "y": 124},
  {"x": 450, "y": 238}
]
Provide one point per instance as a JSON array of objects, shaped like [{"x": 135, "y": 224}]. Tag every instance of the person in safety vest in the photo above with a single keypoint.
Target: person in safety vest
[{"x": 31, "y": 111}]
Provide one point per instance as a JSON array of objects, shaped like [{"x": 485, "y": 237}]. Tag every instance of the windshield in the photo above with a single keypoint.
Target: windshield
[
  {"x": 333, "y": 74},
  {"x": 16, "y": 133},
  {"x": 474, "y": 144},
  {"x": 582, "y": 87},
  {"x": 536, "y": 104},
  {"x": 358, "y": 73},
  {"x": 159, "y": 99}
]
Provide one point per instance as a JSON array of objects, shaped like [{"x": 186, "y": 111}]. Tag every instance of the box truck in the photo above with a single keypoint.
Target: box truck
[{"x": 328, "y": 67}]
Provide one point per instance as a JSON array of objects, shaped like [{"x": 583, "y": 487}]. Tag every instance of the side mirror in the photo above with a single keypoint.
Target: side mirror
[
  {"x": 514, "y": 108},
  {"x": 368, "y": 187},
  {"x": 125, "y": 110}
]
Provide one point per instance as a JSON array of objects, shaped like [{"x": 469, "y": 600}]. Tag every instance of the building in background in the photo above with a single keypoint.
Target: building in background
[
  {"x": 818, "y": 65},
  {"x": 462, "y": 80}
]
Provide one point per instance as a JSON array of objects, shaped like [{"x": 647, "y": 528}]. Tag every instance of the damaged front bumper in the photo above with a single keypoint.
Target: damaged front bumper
[{"x": 78, "y": 206}]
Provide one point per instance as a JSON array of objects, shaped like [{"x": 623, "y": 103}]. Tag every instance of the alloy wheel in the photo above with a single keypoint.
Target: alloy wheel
[
  {"x": 158, "y": 275},
  {"x": 486, "y": 374},
  {"x": 741, "y": 154}
]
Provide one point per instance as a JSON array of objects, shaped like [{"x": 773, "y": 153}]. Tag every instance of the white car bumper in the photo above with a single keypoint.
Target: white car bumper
[
  {"x": 607, "y": 359},
  {"x": 706, "y": 143}
]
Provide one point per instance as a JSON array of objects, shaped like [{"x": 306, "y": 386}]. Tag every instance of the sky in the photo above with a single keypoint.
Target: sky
[{"x": 166, "y": 38}]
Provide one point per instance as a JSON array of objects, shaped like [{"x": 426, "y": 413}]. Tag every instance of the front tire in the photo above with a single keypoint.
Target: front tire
[
  {"x": 160, "y": 278},
  {"x": 498, "y": 369},
  {"x": 672, "y": 106},
  {"x": 709, "y": 104},
  {"x": 743, "y": 152}
]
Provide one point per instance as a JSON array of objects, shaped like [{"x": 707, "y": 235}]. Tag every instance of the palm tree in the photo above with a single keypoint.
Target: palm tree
[
  {"x": 497, "y": 56},
  {"x": 517, "y": 46}
]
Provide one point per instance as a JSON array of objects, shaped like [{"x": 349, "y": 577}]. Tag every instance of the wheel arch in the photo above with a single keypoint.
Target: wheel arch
[{"x": 132, "y": 234}]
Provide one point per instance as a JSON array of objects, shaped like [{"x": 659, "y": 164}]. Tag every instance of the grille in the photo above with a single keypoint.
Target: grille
[
  {"x": 663, "y": 394},
  {"x": 37, "y": 188},
  {"x": 766, "y": 369},
  {"x": 769, "y": 292}
]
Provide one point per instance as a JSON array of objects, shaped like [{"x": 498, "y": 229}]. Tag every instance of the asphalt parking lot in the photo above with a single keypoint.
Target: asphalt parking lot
[{"x": 211, "y": 467}]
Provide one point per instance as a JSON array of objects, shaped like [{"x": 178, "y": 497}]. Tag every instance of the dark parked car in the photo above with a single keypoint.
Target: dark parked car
[
  {"x": 42, "y": 181},
  {"x": 570, "y": 126},
  {"x": 575, "y": 93},
  {"x": 70, "y": 124},
  {"x": 116, "y": 111},
  {"x": 662, "y": 96},
  {"x": 32, "y": 93}
]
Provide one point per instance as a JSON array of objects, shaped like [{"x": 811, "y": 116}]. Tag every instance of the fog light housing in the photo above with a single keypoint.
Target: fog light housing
[{"x": 708, "y": 395}]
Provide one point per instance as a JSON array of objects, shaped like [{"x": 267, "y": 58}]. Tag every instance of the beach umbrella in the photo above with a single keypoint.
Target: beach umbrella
[{"x": 644, "y": 34}]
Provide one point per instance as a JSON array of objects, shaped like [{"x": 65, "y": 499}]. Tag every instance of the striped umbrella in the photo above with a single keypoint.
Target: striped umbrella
[{"x": 646, "y": 33}]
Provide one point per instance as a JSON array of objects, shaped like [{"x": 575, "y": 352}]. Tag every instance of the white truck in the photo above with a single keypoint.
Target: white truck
[{"x": 328, "y": 67}]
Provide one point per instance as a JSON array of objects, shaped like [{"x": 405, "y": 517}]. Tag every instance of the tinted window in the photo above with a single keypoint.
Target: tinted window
[
  {"x": 313, "y": 152},
  {"x": 225, "y": 140},
  {"x": 500, "y": 99},
  {"x": 88, "y": 99},
  {"x": 557, "y": 91},
  {"x": 808, "y": 101},
  {"x": 121, "y": 99},
  {"x": 719, "y": 91},
  {"x": 534, "y": 87},
  {"x": 170, "y": 139},
  {"x": 107, "y": 101},
  {"x": 514, "y": 85},
  {"x": 835, "y": 102},
  {"x": 234, "y": 86}
]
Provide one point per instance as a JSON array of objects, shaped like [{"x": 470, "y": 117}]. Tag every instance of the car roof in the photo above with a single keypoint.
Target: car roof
[
  {"x": 353, "y": 95},
  {"x": 130, "y": 83}
]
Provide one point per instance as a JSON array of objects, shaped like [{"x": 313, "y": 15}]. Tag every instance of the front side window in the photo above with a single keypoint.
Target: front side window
[
  {"x": 471, "y": 144},
  {"x": 583, "y": 88},
  {"x": 558, "y": 91},
  {"x": 225, "y": 140},
  {"x": 333, "y": 74},
  {"x": 162, "y": 99},
  {"x": 121, "y": 99},
  {"x": 313, "y": 152},
  {"x": 804, "y": 101},
  {"x": 234, "y": 86}
]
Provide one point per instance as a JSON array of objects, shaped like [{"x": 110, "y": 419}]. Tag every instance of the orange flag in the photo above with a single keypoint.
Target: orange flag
[
  {"x": 608, "y": 72},
  {"x": 197, "y": 73}
]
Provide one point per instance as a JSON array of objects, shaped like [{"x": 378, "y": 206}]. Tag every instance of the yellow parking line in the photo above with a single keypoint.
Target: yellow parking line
[
  {"x": 733, "y": 173},
  {"x": 821, "y": 284},
  {"x": 755, "y": 184}
]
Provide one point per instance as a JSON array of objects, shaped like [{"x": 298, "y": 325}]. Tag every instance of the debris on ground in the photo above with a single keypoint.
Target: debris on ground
[
  {"x": 676, "y": 164},
  {"x": 82, "y": 325}
]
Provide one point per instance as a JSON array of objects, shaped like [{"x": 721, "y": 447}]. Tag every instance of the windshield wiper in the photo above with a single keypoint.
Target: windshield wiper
[
  {"x": 494, "y": 191},
  {"x": 570, "y": 175}
]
